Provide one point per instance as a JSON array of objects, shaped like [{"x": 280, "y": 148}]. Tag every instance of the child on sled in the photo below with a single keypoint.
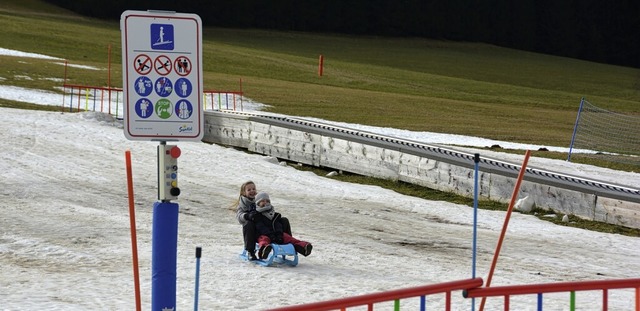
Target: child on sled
[
  {"x": 269, "y": 229},
  {"x": 245, "y": 212}
]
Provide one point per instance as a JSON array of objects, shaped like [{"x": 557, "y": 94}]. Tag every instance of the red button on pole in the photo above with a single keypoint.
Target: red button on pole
[{"x": 175, "y": 152}]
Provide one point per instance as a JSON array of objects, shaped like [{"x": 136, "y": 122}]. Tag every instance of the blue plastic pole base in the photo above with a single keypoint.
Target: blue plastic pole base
[{"x": 164, "y": 253}]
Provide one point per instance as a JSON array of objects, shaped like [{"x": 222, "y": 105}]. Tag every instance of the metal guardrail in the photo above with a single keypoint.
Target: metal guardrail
[{"x": 451, "y": 156}]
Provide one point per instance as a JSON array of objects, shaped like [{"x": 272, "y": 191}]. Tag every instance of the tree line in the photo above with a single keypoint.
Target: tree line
[{"x": 603, "y": 31}]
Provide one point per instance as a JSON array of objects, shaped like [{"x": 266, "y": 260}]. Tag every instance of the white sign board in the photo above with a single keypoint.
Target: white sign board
[{"x": 162, "y": 76}]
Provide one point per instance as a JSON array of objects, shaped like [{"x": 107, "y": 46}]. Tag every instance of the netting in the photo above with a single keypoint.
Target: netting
[{"x": 612, "y": 136}]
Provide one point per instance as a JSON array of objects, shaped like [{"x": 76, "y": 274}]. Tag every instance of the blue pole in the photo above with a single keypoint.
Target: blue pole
[
  {"x": 71, "y": 101},
  {"x": 575, "y": 129},
  {"x": 198, "y": 255},
  {"x": 164, "y": 249},
  {"x": 476, "y": 160},
  {"x": 539, "y": 301}
]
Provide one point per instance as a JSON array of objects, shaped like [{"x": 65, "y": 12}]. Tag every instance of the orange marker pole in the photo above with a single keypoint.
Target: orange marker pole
[
  {"x": 64, "y": 91},
  {"x": 109, "y": 79},
  {"x": 241, "y": 95},
  {"x": 132, "y": 218},
  {"x": 320, "y": 65},
  {"x": 514, "y": 196}
]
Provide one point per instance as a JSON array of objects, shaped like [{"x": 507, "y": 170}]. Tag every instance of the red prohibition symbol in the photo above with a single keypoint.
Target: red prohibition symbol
[
  {"x": 142, "y": 64},
  {"x": 183, "y": 66},
  {"x": 162, "y": 65}
]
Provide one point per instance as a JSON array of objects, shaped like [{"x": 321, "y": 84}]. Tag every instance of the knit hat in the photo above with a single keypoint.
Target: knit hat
[
  {"x": 260, "y": 197},
  {"x": 266, "y": 210}
]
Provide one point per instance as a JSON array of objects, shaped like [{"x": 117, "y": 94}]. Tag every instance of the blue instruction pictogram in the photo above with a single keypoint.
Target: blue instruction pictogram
[
  {"x": 144, "y": 108},
  {"x": 143, "y": 86},
  {"x": 184, "y": 109},
  {"x": 162, "y": 37},
  {"x": 183, "y": 87},
  {"x": 163, "y": 87}
]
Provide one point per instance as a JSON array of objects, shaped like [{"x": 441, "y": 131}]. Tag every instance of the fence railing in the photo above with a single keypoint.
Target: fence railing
[
  {"x": 394, "y": 295},
  {"x": 93, "y": 98},
  {"x": 218, "y": 100},
  {"x": 571, "y": 287},
  {"x": 111, "y": 101},
  {"x": 471, "y": 288}
]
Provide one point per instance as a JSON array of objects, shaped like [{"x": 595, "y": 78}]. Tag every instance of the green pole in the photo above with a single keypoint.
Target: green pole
[{"x": 572, "y": 304}]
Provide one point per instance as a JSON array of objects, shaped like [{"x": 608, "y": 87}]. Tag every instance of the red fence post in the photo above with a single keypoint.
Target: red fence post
[{"x": 109, "y": 79}]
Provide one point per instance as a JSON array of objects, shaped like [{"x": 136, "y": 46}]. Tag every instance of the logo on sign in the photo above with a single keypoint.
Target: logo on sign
[
  {"x": 185, "y": 128},
  {"x": 162, "y": 37}
]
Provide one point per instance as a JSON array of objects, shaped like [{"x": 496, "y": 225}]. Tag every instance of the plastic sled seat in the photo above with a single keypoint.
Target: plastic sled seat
[{"x": 281, "y": 254}]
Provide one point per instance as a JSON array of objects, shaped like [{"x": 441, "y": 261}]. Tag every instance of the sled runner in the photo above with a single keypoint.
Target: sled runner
[{"x": 281, "y": 254}]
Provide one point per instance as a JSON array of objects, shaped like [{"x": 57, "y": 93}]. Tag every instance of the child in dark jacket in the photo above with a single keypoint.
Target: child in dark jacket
[
  {"x": 269, "y": 229},
  {"x": 245, "y": 213}
]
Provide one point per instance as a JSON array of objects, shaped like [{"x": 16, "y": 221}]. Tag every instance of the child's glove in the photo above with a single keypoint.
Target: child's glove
[{"x": 250, "y": 216}]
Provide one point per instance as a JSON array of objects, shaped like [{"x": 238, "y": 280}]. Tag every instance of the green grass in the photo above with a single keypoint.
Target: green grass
[
  {"x": 20, "y": 105},
  {"x": 414, "y": 84}
]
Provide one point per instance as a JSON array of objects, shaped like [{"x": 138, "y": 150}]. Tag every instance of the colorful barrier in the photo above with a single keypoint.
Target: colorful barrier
[
  {"x": 395, "y": 296},
  {"x": 218, "y": 100},
  {"x": 471, "y": 288},
  {"x": 110, "y": 100},
  {"x": 93, "y": 98},
  {"x": 571, "y": 287}
]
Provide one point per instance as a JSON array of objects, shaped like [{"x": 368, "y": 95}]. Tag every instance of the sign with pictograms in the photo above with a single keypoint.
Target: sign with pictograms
[
  {"x": 142, "y": 64},
  {"x": 183, "y": 66},
  {"x": 162, "y": 76},
  {"x": 163, "y": 65}
]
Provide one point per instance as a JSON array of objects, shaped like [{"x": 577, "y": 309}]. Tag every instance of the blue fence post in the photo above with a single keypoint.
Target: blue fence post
[
  {"x": 195, "y": 297},
  {"x": 540, "y": 302},
  {"x": 71, "y": 101},
  {"x": 94, "y": 100},
  {"x": 575, "y": 129}
]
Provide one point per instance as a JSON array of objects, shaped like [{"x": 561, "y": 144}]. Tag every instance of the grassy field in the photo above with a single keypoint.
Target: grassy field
[{"x": 415, "y": 84}]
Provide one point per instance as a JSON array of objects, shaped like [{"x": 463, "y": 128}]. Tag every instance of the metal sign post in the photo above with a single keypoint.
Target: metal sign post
[{"x": 162, "y": 86}]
